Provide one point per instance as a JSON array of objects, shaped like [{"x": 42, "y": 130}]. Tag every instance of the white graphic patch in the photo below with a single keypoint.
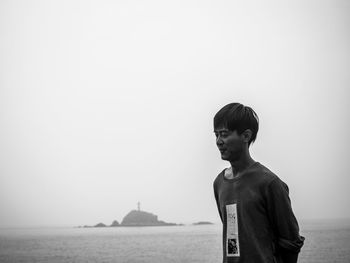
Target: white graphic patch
[{"x": 232, "y": 240}]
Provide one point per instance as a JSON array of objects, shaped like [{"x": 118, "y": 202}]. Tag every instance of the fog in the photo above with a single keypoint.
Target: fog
[{"x": 104, "y": 104}]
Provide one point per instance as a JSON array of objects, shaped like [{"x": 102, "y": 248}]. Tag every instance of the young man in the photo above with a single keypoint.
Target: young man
[{"x": 259, "y": 225}]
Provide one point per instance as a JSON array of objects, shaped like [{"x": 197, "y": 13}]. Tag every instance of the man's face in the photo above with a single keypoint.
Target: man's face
[{"x": 230, "y": 144}]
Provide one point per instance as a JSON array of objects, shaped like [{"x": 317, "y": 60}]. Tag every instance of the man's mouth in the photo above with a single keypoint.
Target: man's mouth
[{"x": 222, "y": 150}]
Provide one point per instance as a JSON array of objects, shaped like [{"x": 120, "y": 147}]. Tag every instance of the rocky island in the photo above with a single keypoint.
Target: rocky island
[
  {"x": 137, "y": 218},
  {"x": 202, "y": 223},
  {"x": 142, "y": 218}
]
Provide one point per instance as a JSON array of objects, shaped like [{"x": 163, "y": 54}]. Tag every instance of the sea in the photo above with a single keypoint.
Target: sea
[{"x": 326, "y": 242}]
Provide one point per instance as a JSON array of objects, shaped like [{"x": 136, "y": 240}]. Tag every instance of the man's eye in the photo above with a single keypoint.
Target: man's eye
[{"x": 221, "y": 134}]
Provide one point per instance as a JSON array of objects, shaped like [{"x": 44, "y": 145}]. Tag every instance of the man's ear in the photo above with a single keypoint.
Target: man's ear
[{"x": 247, "y": 135}]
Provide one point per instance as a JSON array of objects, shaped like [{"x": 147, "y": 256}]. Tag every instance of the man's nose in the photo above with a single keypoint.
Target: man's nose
[{"x": 219, "y": 141}]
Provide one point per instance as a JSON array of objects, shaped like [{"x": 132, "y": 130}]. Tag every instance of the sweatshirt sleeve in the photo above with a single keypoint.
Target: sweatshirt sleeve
[
  {"x": 217, "y": 198},
  {"x": 282, "y": 218}
]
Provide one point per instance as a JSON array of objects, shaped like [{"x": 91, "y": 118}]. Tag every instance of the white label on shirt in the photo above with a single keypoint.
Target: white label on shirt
[{"x": 232, "y": 240}]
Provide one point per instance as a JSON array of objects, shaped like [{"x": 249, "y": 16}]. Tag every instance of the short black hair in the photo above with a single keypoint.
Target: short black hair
[{"x": 237, "y": 117}]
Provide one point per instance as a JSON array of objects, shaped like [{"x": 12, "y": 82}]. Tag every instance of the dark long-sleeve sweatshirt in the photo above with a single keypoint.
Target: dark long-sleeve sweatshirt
[{"x": 259, "y": 225}]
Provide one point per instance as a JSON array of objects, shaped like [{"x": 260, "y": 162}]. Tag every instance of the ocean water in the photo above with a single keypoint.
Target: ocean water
[{"x": 325, "y": 242}]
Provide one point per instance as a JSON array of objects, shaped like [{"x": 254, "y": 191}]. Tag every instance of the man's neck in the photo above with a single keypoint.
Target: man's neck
[{"x": 239, "y": 166}]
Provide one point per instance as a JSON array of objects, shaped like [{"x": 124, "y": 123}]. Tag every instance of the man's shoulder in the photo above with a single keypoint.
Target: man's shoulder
[
  {"x": 219, "y": 177},
  {"x": 264, "y": 173}
]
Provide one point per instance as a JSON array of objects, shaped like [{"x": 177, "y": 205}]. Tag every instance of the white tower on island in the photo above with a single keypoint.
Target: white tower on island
[{"x": 138, "y": 206}]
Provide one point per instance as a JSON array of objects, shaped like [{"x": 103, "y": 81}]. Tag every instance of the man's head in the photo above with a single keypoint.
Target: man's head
[{"x": 236, "y": 127}]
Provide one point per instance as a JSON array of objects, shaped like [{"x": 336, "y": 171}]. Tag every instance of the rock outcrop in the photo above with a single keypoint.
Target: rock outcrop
[
  {"x": 100, "y": 225},
  {"x": 142, "y": 218},
  {"x": 203, "y": 223},
  {"x": 115, "y": 223},
  {"x": 137, "y": 218}
]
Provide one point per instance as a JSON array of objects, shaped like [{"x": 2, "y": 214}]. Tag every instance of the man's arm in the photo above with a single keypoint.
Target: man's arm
[
  {"x": 217, "y": 200},
  {"x": 283, "y": 221}
]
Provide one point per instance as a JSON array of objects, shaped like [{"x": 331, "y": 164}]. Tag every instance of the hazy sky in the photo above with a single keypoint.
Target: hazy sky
[{"x": 107, "y": 103}]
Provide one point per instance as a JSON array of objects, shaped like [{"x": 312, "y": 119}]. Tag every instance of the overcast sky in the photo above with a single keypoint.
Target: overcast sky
[{"x": 107, "y": 103}]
